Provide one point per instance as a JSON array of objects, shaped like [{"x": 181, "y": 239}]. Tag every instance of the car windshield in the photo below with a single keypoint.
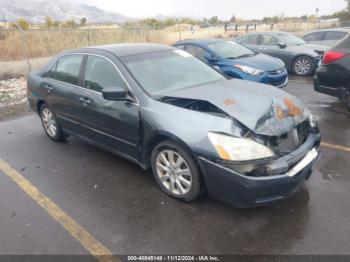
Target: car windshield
[
  {"x": 290, "y": 39},
  {"x": 162, "y": 72},
  {"x": 230, "y": 50}
]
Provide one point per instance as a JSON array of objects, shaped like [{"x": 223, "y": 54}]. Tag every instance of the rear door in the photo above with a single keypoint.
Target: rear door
[
  {"x": 60, "y": 89},
  {"x": 112, "y": 124}
]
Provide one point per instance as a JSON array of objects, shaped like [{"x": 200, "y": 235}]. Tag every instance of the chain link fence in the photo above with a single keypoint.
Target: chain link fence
[{"x": 30, "y": 45}]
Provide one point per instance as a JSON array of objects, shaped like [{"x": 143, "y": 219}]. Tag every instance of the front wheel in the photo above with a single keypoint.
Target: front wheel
[
  {"x": 303, "y": 66},
  {"x": 176, "y": 172}
]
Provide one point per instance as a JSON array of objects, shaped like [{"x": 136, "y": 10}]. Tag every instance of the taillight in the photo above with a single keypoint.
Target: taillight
[{"x": 332, "y": 56}]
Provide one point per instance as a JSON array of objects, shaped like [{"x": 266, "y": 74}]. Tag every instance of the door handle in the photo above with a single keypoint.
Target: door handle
[
  {"x": 48, "y": 87},
  {"x": 85, "y": 100}
]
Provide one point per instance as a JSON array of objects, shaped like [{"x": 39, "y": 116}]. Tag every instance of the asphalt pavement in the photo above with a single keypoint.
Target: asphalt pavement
[{"x": 122, "y": 208}]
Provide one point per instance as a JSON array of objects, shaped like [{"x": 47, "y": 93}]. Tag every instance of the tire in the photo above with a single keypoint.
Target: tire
[
  {"x": 347, "y": 101},
  {"x": 303, "y": 66},
  {"x": 50, "y": 124},
  {"x": 169, "y": 180}
]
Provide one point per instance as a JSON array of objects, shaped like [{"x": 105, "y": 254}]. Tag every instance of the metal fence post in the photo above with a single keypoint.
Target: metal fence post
[
  {"x": 180, "y": 32},
  {"x": 24, "y": 46}
]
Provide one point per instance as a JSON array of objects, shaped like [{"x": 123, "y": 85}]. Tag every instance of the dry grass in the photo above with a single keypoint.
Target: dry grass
[
  {"x": 46, "y": 43},
  {"x": 42, "y": 43}
]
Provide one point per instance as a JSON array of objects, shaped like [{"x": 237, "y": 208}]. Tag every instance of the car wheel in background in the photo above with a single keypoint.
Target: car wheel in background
[
  {"x": 303, "y": 66},
  {"x": 176, "y": 172},
  {"x": 347, "y": 101},
  {"x": 50, "y": 124}
]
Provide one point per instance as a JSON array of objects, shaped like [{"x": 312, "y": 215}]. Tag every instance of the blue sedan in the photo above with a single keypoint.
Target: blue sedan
[{"x": 237, "y": 61}]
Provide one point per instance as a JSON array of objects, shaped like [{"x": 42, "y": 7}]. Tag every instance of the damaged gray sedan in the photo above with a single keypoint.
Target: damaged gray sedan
[{"x": 245, "y": 143}]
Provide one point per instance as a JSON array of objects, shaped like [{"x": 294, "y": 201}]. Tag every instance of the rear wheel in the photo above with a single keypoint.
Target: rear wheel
[
  {"x": 303, "y": 66},
  {"x": 50, "y": 124},
  {"x": 176, "y": 172},
  {"x": 347, "y": 101}
]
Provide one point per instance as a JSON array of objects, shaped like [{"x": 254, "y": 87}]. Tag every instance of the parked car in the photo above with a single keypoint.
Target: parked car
[
  {"x": 245, "y": 143},
  {"x": 237, "y": 61},
  {"x": 300, "y": 58},
  {"x": 327, "y": 37},
  {"x": 333, "y": 76}
]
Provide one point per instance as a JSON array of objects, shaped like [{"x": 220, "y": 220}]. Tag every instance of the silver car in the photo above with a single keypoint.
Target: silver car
[
  {"x": 328, "y": 37},
  {"x": 300, "y": 58}
]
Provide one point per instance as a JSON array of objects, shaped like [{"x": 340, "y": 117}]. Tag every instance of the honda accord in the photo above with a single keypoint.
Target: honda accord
[{"x": 242, "y": 142}]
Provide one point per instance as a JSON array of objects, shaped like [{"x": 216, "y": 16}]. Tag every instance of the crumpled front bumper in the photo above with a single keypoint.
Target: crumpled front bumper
[{"x": 247, "y": 191}]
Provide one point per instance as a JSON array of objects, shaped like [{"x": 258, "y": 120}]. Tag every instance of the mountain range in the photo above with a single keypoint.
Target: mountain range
[{"x": 35, "y": 11}]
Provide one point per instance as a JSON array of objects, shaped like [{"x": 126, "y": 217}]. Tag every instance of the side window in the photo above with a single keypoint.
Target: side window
[
  {"x": 333, "y": 35},
  {"x": 250, "y": 40},
  {"x": 196, "y": 51},
  {"x": 181, "y": 47},
  {"x": 313, "y": 37},
  {"x": 101, "y": 73},
  {"x": 269, "y": 40},
  {"x": 67, "y": 69}
]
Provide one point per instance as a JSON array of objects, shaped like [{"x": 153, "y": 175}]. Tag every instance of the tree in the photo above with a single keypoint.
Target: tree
[
  {"x": 70, "y": 24},
  {"x": 233, "y": 19},
  {"x": 22, "y": 23},
  {"x": 304, "y": 18},
  {"x": 83, "y": 21},
  {"x": 48, "y": 21},
  {"x": 214, "y": 20}
]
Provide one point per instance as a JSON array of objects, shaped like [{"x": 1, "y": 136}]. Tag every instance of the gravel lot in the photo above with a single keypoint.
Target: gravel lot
[
  {"x": 13, "y": 97},
  {"x": 13, "y": 100}
]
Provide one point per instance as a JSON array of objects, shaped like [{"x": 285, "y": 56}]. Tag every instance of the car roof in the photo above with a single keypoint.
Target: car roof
[
  {"x": 199, "y": 41},
  {"x": 346, "y": 30},
  {"x": 268, "y": 33},
  {"x": 121, "y": 50}
]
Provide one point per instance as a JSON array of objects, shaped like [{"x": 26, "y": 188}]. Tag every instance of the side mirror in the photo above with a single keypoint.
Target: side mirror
[
  {"x": 114, "y": 93},
  {"x": 282, "y": 45}
]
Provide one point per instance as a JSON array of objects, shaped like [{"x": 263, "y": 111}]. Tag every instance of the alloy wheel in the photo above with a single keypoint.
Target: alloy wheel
[
  {"x": 302, "y": 67},
  {"x": 49, "y": 122},
  {"x": 173, "y": 172}
]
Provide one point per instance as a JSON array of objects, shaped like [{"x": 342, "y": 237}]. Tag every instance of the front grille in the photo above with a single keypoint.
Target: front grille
[
  {"x": 290, "y": 141},
  {"x": 277, "y": 72},
  {"x": 278, "y": 83}
]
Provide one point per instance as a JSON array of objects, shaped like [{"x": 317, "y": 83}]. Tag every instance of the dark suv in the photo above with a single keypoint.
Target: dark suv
[{"x": 333, "y": 76}]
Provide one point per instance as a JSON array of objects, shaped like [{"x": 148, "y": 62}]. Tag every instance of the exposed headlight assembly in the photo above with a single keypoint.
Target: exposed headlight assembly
[
  {"x": 249, "y": 70},
  {"x": 238, "y": 149}
]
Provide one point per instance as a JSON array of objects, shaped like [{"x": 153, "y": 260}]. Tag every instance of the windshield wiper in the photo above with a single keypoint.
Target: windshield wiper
[{"x": 241, "y": 56}]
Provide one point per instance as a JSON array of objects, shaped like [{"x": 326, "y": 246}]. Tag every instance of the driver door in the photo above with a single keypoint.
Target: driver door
[
  {"x": 112, "y": 124},
  {"x": 269, "y": 45}
]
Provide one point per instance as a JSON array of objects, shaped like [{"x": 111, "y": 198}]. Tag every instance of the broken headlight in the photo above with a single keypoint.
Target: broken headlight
[{"x": 238, "y": 149}]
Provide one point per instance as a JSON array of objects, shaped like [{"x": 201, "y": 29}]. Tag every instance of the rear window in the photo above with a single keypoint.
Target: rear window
[
  {"x": 334, "y": 35},
  {"x": 345, "y": 44},
  {"x": 313, "y": 37}
]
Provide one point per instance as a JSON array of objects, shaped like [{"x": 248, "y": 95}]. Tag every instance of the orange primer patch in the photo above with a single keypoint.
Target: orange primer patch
[
  {"x": 293, "y": 110},
  {"x": 279, "y": 113},
  {"x": 229, "y": 102}
]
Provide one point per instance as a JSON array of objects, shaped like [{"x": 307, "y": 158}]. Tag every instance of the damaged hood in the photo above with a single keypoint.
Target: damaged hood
[{"x": 263, "y": 109}]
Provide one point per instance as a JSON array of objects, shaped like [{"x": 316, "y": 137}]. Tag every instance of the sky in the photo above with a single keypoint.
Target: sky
[{"x": 222, "y": 8}]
